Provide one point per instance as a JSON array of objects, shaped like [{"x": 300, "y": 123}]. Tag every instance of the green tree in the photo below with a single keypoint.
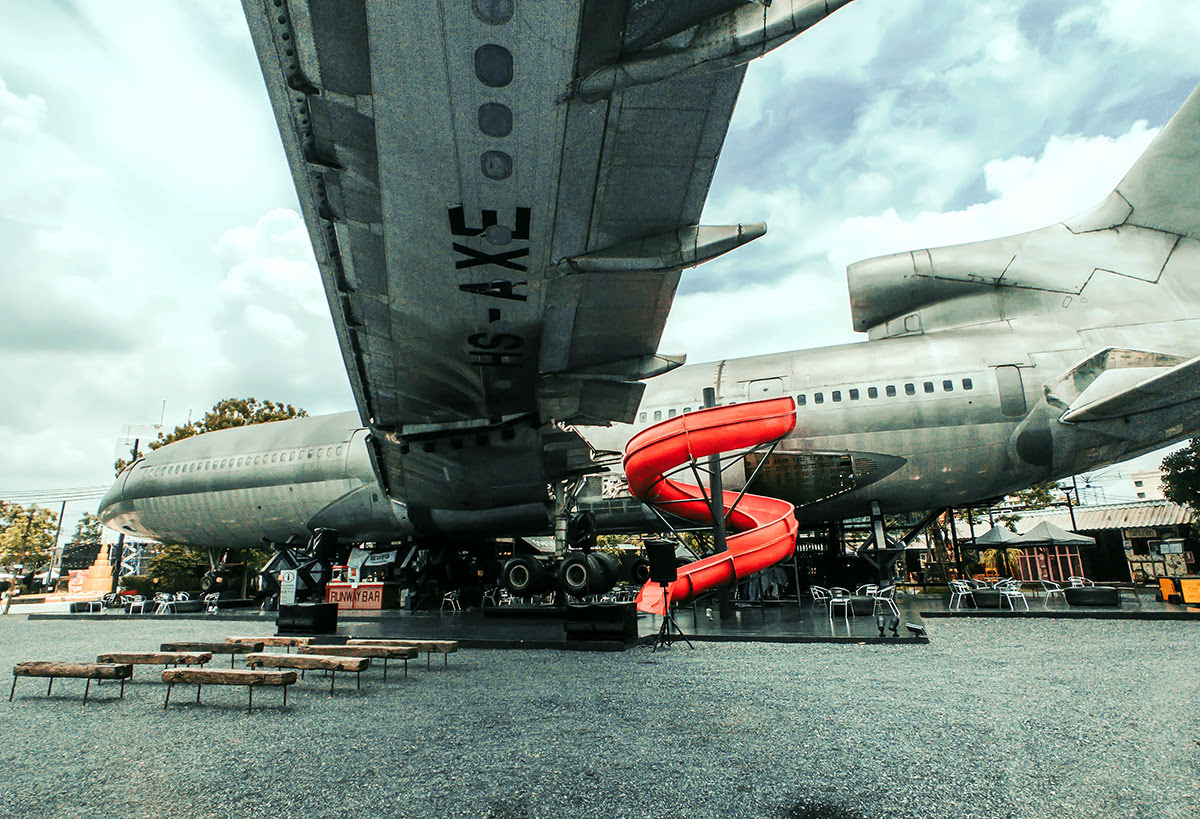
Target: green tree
[
  {"x": 1181, "y": 475},
  {"x": 226, "y": 413},
  {"x": 87, "y": 531},
  {"x": 178, "y": 568},
  {"x": 27, "y": 536}
]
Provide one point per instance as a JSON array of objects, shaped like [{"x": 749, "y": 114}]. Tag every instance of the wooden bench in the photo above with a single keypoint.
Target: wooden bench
[
  {"x": 88, "y": 671},
  {"x": 277, "y": 641},
  {"x": 232, "y": 649},
  {"x": 443, "y": 647},
  {"x": 384, "y": 653},
  {"x": 318, "y": 662},
  {"x": 156, "y": 658},
  {"x": 240, "y": 676}
]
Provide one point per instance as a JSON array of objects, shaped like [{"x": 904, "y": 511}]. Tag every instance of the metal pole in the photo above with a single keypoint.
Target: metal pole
[
  {"x": 119, "y": 550},
  {"x": 54, "y": 549},
  {"x": 717, "y": 495},
  {"x": 1071, "y": 510},
  {"x": 954, "y": 540}
]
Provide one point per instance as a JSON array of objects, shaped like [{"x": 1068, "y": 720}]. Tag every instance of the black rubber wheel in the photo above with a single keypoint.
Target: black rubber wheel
[
  {"x": 639, "y": 572},
  {"x": 207, "y": 583},
  {"x": 524, "y": 576},
  {"x": 608, "y": 571},
  {"x": 575, "y": 574}
]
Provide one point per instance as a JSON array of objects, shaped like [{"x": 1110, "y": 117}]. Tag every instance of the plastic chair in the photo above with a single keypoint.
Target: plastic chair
[
  {"x": 451, "y": 599},
  {"x": 166, "y": 603},
  {"x": 137, "y": 602},
  {"x": 210, "y": 602}
]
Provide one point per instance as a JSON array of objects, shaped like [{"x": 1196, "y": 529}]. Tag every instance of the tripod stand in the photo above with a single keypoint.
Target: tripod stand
[{"x": 669, "y": 631}]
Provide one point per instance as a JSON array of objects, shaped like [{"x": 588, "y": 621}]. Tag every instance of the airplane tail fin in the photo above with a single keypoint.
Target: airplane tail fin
[{"x": 1162, "y": 189}]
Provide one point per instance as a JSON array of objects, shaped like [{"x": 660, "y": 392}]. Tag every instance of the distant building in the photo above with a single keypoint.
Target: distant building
[
  {"x": 1146, "y": 538},
  {"x": 1148, "y": 485}
]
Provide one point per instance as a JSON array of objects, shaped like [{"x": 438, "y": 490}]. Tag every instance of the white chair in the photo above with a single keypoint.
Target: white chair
[
  {"x": 137, "y": 602},
  {"x": 1010, "y": 591},
  {"x": 1051, "y": 588},
  {"x": 1076, "y": 581},
  {"x": 166, "y": 603},
  {"x": 885, "y": 597},
  {"x": 451, "y": 599},
  {"x": 490, "y": 596},
  {"x": 210, "y": 602},
  {"x": 960, "y": 589},
  {"x": 866, "y": 590},
  {"x": 820, "y": 594},
  {"x": 845, "y": 604}
]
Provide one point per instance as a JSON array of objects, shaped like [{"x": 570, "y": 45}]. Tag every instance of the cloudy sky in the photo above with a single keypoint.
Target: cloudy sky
[{"x": 152, "y": 249}]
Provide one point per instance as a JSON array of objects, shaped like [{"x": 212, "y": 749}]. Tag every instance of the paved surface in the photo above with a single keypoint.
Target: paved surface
[{"x": 1012, "y": 718}]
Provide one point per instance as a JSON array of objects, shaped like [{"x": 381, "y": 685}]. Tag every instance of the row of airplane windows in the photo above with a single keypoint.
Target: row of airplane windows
[
  {"x": 256, "y": 460},
  {"x": 853, "y": 394}
]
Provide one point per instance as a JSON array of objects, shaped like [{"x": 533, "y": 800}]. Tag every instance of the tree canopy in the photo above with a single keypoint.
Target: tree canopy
[
  {"x": 87, "y": 531},
  {"x": 26, "y": 535},
  {"x": 226, "y": 413},
  {"x": 1181, "y": 475}
]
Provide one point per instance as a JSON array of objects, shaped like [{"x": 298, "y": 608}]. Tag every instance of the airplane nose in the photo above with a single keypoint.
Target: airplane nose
[{"x": 113, "y": 504}]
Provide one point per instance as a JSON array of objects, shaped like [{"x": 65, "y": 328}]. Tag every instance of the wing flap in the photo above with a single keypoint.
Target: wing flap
[{"x": 1121, "y": 393}]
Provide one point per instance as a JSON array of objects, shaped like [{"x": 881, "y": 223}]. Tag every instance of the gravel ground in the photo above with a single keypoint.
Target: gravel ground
[{"x": 991, "y": 719}]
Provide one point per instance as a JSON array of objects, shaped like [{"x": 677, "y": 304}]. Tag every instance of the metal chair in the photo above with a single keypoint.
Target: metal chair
[
  {"x": 166, "y": 603},
  {"x": 820, "y": 594},
  {"x": 845, "y": 604},
  {"x": 137, "y": 602},
  {"x": 1010, "y": 591},
  {"x": 1076, "y": 581},
  {"x": 1051, "y": 588},
  {"x": 210, "y": 602},
  {"x": 451, "y": 599},
  {"x": 960, "y": 589},
  {"x": 885, "y": 597},
  {"x": 866, "y": 590}
]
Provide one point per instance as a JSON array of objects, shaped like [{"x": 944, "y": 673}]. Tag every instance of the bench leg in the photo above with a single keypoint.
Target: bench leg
[
  {"x": 406, "y": 668},
  {"x": 357, "y": 681},
  {"x": 231, "y": 657},
  {"x": 14, "y": 688},
  {"x": 285, "y": 688},
  {"x": 87, "y": 688},
  {"x": 332, "y": 677},
  {"x": 168, "y": 699},
  {"x": 198, "y": 687},
  {"x": 250, "y": 702},
  {"x": 428, "y": 658},
  {"x": 48, "y": 687},
  {"x": 385, "y": 659},
  {"x": 123, "y": 686}
]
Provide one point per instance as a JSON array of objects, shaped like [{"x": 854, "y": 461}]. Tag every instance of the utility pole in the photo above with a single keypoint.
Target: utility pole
[
  {"x": 54, "y": 551},
  {"x": 119, "y": 549}
]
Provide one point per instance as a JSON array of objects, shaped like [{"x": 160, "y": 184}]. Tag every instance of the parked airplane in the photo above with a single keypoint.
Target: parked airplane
[{"x": 491, "y": 367}]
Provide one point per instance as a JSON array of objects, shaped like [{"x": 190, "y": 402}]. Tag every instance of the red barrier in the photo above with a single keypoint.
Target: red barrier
[{"x": 766, "y": 527}]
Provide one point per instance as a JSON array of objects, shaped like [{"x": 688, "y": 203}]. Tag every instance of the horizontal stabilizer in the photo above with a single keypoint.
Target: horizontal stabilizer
[{"x": 1134, "y": 391}]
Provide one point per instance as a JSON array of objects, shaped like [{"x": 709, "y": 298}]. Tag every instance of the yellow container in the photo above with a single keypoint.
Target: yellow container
[{"x": 1189, "y": 587}]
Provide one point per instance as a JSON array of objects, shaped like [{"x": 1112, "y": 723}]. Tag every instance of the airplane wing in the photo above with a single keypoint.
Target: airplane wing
[
  {"x": 501, "y": 196},
  {"x": 1124, "y": 393}
]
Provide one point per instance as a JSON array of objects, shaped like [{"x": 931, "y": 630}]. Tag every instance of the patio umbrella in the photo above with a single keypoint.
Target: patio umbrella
[
  {"x": 1047, "y": 534},
  {"x": 996, "y": 536}
]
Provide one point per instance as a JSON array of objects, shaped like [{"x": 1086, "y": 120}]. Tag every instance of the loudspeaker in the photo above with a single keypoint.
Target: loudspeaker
[{"x": 661, "y": 554}]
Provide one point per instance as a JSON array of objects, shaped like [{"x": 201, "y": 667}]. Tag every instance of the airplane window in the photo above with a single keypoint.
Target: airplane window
[
  {"x": 928, "y": 386},
  {"x": 339, "y": 450},
  {"x": 239, "y": 462},
  {"x": 292, "y": 455},
  {"x": 687, "y": 409},
  {"x": 872, "y": 392},
  {"x": 853, "y": 395},
  {"x": 910, "y": 389},
  {"x": 891, "y": 391},
  {"x": 801, "y": 400},
  {"x": 257, "y": 458},
  {"x": 671, "y": 413},
  {"x": 948, "y": 385},
  {"x": 208, "y": 464},
  {"x": 818, "y": 398},
  {"x": 642, "y": 416},
  {"x": 837, "y": 395},
  {"x": 318, "y": 453},
  {"x": 658, "y": 415},
  {"x": 966, "y": 382}
]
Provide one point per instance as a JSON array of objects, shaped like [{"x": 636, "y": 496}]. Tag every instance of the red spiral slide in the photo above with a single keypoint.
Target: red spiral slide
[{"x": 766, "y": 527}]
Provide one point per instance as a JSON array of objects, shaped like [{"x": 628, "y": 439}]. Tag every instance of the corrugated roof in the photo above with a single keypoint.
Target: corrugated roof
[{"x": 1109, "y": 516}]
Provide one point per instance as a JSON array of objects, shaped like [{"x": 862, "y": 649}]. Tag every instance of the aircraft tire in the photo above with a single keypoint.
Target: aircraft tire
[
  {"x": 609, "y": 569},
  {"x": 639, "y": 572},
  {"x": 576, "y": 574},
  {"x": 524, "y": 576}
]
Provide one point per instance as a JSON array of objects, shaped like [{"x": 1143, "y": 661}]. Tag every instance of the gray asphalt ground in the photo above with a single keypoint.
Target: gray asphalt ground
[{"x": 1014, "y": 718}]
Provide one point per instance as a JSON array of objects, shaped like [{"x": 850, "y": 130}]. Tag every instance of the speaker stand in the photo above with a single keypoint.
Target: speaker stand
[{"x": 669, "y": 631}]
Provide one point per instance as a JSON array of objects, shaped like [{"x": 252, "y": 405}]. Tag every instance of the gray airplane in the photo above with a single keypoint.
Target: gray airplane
[{"x": 498, "y": 347}]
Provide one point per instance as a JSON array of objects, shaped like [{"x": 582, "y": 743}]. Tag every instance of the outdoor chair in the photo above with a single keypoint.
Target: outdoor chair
[
  {"x": 1076, "y": 581},
  {"x": 885, "y": 597},
  {"x": 866, "y": 590},
  {"x": 1011, "y": 591},
  {"x": 451, "y": 599},
  {"x": 958, "y": 590},
  {"x": 490, "y": 596},
  {"x": 1051, "y": 588},
  {"x": 137, "y": 602},
  {"x": 165, "y": 603},
  {"x": 845, "y": 604},
  {"x": 210, "y": 602},
  {"x": 820, "y": 594}
]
